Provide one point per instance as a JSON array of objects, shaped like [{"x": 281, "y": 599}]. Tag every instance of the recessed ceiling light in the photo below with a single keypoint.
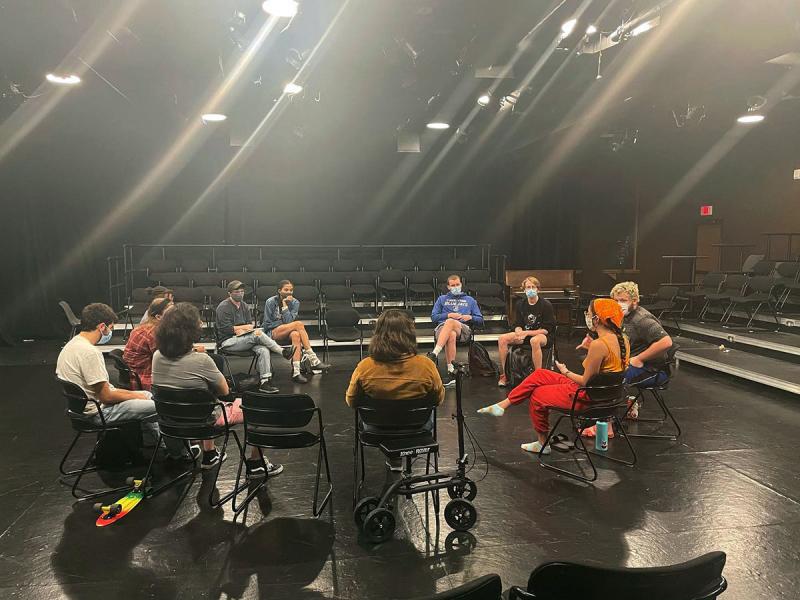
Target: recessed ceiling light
[
  {"x": 438, "y": 125},
  {"x": 63, "y": 80},
  {"x": 567, "y": 27},
  {"x": 292, "y": 88},
  {"x": 748, "y": 119},
  {"x": 280, "y": 8},
  {"x": 484, "y": 100},
  {"x": 213, "y": 117}
]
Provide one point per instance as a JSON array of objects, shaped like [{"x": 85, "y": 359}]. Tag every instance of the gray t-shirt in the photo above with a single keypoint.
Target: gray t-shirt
[
  {"x": 229, "y": 315},
  {"x": 81, "y": 362},
  {"x": 643, "y": 330},
  {"x": 194, "y": 370}
]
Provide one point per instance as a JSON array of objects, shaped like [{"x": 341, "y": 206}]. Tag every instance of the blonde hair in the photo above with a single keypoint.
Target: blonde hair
[
  {"x": 626, "y": 287},
  {"x": 533, "y": 280}
]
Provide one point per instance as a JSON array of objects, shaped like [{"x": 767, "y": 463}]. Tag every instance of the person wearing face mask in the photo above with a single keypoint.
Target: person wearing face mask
[
  {"x": 282, "y": 325},
  {"x": 141, "y": 345},
  {"x": 81, "y": 362},
  {"x": 452, "y": 313},
  {"x": 608, "y": 353},
  {"x": 649, "y": 341},
  {"x": 237, "y": 332},
  {"x": 535, "y": 324}
]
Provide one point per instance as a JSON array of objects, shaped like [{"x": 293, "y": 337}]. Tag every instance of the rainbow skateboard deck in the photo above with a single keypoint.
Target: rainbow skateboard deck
[{"x": 111, "y": 513}]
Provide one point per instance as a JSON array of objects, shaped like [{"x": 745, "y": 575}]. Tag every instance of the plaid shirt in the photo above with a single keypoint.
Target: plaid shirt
[{"x": 139, "y": 355}]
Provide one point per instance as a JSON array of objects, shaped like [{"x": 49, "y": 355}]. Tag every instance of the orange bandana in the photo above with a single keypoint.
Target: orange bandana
[{"x": 607, "y": 310}]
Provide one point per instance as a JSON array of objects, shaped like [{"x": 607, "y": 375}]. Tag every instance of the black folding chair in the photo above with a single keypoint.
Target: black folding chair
[
  {"x": 82, "y": 423},
  {"x": 281, "y": 421},
  {"x": 652, "y": 385},
  {"x": 188, "y": 415},
  {"x": 732, "y": 286},
  {"x": 488, "y": 587},
  {"x": 603, "y": 399},
  {"x": 72, "y": 319},
  {"x": 128, "y": 378},
  {"x": 226, "y": 354},
  {"x": 697, "y": 579},
  {"x": 762, "y": 293},
  {"x": 342, "y": 325},
  {"x": 788, "y": 280},
  {"x": 663, "y": 301},
  {"x": 710, "y": 285}
]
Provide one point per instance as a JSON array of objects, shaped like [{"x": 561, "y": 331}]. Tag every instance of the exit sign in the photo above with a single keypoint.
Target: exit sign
[{"x": 706, "y": 210}]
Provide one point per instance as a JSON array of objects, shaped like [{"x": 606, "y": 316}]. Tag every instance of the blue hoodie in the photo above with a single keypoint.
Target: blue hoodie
[
  {"x": 462, "y": 304},
  {"x": 274, "y": 315}
]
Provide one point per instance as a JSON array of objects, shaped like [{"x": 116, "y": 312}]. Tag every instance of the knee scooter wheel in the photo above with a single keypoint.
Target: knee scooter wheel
[
  {"x": 460, "y": 514},
  {"x": 363, "y": 508},
  {"x": 379, "y": 525},
  {"x": 463, "y": 489}
]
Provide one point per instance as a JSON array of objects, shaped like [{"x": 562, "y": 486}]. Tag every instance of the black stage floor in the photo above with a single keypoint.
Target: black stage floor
[{"x": 731, "y": 483}]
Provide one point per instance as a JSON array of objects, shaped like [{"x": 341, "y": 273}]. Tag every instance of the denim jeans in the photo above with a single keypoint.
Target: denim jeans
[
  {"x": 139, "y": 409},
  {"x": 261, "y": 345}
]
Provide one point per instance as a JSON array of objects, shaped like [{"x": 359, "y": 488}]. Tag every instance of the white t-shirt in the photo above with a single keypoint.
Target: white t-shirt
[{"x": 81, "y": 362}]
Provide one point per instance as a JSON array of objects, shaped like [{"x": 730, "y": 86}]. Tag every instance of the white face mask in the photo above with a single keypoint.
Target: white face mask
[
  {"x": 625, "y": 306},
  {"x": 589, "y": 322},
  {"x": 455, "y": 290}
]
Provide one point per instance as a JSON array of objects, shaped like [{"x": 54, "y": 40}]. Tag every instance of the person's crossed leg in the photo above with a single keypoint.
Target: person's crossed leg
[{"x": 295, "y": 333}]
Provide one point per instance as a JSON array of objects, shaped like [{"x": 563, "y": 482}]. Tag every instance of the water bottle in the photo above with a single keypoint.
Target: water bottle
[{"x": 601, "y": 436}]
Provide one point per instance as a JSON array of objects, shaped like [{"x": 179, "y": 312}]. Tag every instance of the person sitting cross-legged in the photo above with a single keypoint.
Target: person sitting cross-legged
[
  {"x": 452, "y": 314},
  {"x": 238, "y": 334},
  {"x": 282, "y": 325},
  {"x": 535, "y": 323},
  {"x": 182, "y": 364},
  {"x": 544, "y": 388}
]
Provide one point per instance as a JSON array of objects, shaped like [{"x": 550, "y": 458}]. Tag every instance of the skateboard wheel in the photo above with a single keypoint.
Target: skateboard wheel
[
  {"x": 130, "y": 481},
  {"x": 115, "y": 509},
  {"x": 98, "y": 507}
]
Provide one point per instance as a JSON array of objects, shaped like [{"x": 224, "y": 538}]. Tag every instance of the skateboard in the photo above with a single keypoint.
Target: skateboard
[{"x": 114, "y": 512}]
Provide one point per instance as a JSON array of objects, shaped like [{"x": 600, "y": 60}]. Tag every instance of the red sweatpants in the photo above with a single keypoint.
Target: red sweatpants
[{"x": 544, "y": 388}]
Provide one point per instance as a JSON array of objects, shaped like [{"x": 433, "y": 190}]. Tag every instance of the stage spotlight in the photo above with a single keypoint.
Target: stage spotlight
[
  {"x": 292, "y": 88},
  {"x": 280, "y": 8},
  {"x": 484, "y": 100},
  {"x": 750, "y": 119},
  {"x": 591, "y": 30},
  {"x": 438, "y": 125},
  {"x": 213, "y": 117},
  {"x": 63, "y": 80},
  {"x": 646, "y": 26},
  {"x": 567, "y": 27}
]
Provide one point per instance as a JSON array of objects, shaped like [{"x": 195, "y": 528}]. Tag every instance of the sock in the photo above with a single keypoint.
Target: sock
[
  {"x": 450, "y": 368},
  {"x": 266, "y": 379},
  {"x": 494, "y": 409},
  {"x": 436, "y": 350},
  {"x": 295, "y": 367},
  {"x": 312, "y": 357}
]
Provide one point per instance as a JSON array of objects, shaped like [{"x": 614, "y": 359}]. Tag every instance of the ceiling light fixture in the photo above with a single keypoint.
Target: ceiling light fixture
[
  {"x": 567, "y": 27},
  {"x": 292, "y": 88},
  {"x": 213, "y": 117},
  {"x": 280, "y": 8},
  {"x": 63, "y": 80},
  {"x": 484, "y": 100},
  {"x": 591, "y": 30},
  {"x": 438, "y": 125},
  {"x": 750, "y": 119}
]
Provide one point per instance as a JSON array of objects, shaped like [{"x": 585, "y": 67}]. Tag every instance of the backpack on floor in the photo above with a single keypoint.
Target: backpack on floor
[
  {"x": 120, "y": 448},
  {"x": 244, "y": 383},
  {"x": 519, "y": 364},
  {"x": 480, "y": 363}
]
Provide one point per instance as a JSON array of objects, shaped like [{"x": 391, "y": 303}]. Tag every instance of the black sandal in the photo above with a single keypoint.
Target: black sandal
[{"x": 561, "y": 443}]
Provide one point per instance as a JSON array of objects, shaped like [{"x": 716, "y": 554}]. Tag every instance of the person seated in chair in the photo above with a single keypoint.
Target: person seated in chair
[
  {"x": 82, "y": 363},
  {"x": 393, "y": 370},
  {"x": 182, "y": 364},
  {"x": 141, "y": 345},
  {"x": 452, "y": 314},
  {"x": 157, "y": 293},
  {"x": 282, "y": 325},
  {"x": 238, "y": 333},
  {"x": 535, "y": 324},
  {"x": 649, "y": 341},
  {"x": 544, "y": 388}
]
